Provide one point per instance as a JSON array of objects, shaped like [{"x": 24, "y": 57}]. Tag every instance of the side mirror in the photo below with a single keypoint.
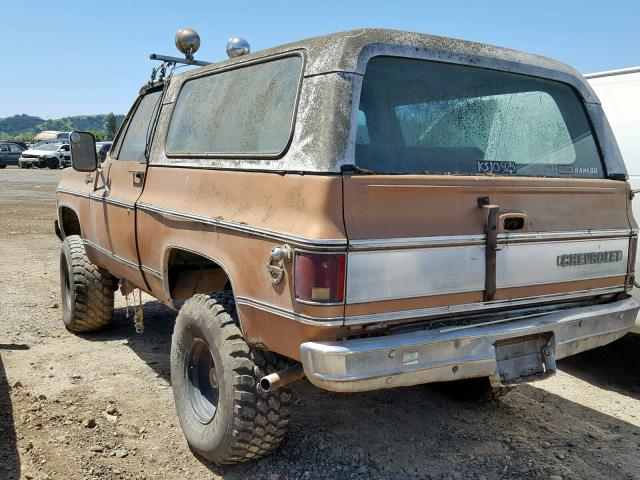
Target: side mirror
[{"x": 83, "y": 151}]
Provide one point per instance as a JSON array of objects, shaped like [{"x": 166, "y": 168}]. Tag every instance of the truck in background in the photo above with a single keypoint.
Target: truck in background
[{"x": 619, "y": 92}]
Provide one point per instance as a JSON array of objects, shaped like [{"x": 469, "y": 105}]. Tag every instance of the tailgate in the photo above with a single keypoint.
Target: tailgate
[{"x": 418, "y": 243}]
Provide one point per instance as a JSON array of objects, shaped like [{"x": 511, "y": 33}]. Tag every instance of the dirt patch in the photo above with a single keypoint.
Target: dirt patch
[{"x": 100, "y": 406}]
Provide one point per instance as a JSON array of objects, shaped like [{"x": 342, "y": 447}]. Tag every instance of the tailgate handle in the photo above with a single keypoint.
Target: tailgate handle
[{"x": 513, "y": 221}]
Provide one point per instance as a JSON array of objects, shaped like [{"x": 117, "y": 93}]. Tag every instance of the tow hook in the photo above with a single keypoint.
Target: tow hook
[{"x": 279, "y": 379}]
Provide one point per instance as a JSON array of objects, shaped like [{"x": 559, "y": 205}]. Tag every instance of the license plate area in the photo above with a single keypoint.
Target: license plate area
[{"x": 525, "y": 359}]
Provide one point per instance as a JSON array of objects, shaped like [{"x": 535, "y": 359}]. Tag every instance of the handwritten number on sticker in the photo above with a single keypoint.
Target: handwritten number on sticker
[{"x": 496, "y": 168}]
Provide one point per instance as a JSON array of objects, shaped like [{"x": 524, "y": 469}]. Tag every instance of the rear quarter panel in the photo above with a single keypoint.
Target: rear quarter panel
[{"x": 290, "y": 205}]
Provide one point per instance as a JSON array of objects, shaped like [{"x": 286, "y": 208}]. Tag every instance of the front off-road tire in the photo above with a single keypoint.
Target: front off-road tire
[
  {"x": 87, "y": 291},
  {"x": 224, "y": 415}
]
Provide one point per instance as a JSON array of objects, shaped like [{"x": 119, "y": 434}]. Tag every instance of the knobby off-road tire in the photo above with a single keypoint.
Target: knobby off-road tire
[
  {"x": 474, "y": 390},
  {"x": 87, "y": 291},
  {"x": 224, "y": 415}
]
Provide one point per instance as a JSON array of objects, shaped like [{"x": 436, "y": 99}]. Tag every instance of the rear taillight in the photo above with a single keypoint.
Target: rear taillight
[
  {"x": 319, "y": 277},
  {"x": 631, "y": 268}
]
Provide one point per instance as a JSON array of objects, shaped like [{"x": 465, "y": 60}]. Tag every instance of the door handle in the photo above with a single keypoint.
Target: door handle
[
  {"x": 512, "y": 221},
  {"x": 138, "y": 176}
]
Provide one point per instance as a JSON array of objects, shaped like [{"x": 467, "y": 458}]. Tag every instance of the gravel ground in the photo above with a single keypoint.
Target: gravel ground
[{"x": 100, "y": 406}]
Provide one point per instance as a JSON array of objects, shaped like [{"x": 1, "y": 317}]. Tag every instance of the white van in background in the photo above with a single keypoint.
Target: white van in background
[{"x": 619, "y": 92}]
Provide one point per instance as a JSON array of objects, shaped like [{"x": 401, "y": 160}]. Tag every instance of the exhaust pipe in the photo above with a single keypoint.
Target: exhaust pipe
[{"x": 279, "y": 379}]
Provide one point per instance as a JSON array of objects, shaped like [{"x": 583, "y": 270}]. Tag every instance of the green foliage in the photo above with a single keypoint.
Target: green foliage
[
  {"x": 18, "y": 124},
  {"x": 24, "y": 137},
  {"x": 100, "y": 136},
  {"x": 110, "y": 126},
  {"x": 25, "y": 127}
]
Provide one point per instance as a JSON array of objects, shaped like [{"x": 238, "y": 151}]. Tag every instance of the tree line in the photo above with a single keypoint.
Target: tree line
[{"x": 24, "y": 128}]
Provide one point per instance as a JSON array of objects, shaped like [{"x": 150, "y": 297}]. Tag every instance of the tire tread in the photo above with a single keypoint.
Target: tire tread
[
  {"x": 92, "y": 290},
  {"x": 259, "y": 419}
]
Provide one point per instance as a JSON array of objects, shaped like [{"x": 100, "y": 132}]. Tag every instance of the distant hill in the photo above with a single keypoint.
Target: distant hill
[{"x": 28, "y": 125}]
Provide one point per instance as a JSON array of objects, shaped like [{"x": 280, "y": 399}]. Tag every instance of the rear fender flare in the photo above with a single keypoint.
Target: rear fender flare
[{"x": 165, "y": 274}]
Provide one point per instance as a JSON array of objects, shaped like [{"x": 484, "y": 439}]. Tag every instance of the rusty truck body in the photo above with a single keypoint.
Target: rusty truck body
[{"x": 371, "y": 209}]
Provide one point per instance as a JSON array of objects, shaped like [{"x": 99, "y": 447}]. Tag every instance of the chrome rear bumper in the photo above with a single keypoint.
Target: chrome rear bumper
[{"x": 456, "y": 353}]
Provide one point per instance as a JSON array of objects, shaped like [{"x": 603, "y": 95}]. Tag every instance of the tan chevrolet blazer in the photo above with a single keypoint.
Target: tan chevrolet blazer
[{"x": 369, "y": 209}]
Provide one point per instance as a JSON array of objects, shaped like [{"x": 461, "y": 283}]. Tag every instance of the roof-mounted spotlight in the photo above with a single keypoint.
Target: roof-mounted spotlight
[
  {"x": 188, "y": 42},
  {"x": 237, "y": 46}
]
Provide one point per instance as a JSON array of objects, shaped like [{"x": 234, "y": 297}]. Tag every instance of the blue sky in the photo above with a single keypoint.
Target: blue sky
[{"x": 70, "y": 57}]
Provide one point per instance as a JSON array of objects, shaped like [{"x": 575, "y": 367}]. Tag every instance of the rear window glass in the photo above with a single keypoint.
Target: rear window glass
[
  {"x": 418, "y": 116},
  {"x": 248, "y": 110}
]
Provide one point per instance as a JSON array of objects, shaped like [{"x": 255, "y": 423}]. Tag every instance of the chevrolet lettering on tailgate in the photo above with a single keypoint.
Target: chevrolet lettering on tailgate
[{"x": 589, "y": 258}]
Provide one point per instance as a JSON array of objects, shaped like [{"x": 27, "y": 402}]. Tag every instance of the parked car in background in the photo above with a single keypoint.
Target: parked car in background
[
  {"x": 10, "y": 153},
  {"x": 619, "y": 92},
  {"x": 103, "y": 149},
  {"x": 51, "y": 155},
  {"x": 56, "y": 141}
]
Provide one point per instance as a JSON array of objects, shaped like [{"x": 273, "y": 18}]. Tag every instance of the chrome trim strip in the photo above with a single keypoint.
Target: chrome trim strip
[
  {"x": 377, "y": 275},
  {"x": 495, "y": 322},
  {"x": 90, "y": 196},
  {"x": 260, "y": 232},
  {"x": 283, "y": 312},
  {"x": 505, "y": 238},
  {"x": 151, "y": 271},
  {"x": 435, "y": 241},
  {"x": 113, "y": 201},
  {"x": 565, "y": 235},
  {"x": 109, "y": 254},
  {"x": 118, "y": 258},
  {"x": 474, "y": 307},
  {"x": 73, "y": 192},
  {"x": 423, "y": 313}
]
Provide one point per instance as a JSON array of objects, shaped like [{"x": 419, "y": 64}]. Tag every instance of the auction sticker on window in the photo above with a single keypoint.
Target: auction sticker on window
[{"x": 496, "y": 168}]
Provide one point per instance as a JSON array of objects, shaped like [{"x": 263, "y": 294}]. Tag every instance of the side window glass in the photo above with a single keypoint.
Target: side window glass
[
  {"x": 135, "y": 137},
  {"x": 247, "y": 110},
  {"x": 15, "y": 149},
  {"x": 4, "y": 148}
]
